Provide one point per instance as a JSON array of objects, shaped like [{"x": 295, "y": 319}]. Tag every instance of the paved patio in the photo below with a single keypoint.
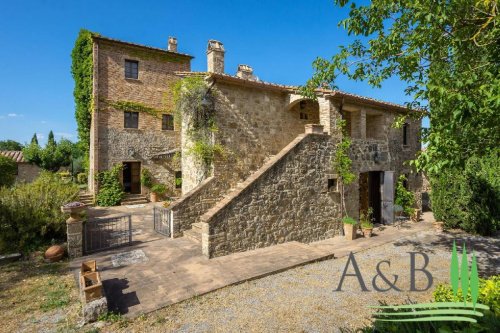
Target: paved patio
[{"x": 164, "y": 271}]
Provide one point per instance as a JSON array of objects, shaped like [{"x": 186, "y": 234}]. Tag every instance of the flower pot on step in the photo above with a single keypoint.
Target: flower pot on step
[
  {"x": 439, "y": 226},
  {"x": 153, "y": 197}
]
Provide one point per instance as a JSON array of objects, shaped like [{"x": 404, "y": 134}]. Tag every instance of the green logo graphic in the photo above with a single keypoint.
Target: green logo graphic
[{"x": 443, "y": 311}]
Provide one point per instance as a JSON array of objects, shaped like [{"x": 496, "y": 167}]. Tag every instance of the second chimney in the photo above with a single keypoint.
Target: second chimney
[
  {"x": 245, "y": 72},
  {"x": 172, "y": 44},
  {"x": 215, "y": 57}
]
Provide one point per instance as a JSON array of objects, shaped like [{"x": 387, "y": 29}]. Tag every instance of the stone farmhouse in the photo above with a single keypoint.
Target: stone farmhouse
[
  {"x": 276, "y": 183},
  {"x": 26, "y": 171}
]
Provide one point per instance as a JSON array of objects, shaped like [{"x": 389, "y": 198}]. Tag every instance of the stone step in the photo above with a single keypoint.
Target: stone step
[
  {"x": 137, "y": 201},
  {"x": 192, "y": 234}
]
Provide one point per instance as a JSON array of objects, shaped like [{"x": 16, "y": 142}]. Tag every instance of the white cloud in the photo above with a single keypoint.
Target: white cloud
[
  {"x": 44, "y": 121},
  {"x": 40, "y": 136},
  {"x": 14, "y": 115}
]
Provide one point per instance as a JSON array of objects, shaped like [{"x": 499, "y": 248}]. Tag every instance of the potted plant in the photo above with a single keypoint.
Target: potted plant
[
  {"x": 365, "y": 219},
  {"x": 349, "y": 227},
  {"x": 439, "y": 226},
  {"x": 157, "y": 190},
  {"x": 74, "y": 209}
]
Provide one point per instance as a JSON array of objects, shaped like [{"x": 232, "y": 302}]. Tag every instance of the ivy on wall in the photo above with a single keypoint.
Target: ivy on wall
[
  {"x": 194, "y": 102},
  {"x": 135, "y": 107},
  {"x": 82, "y": 71}
]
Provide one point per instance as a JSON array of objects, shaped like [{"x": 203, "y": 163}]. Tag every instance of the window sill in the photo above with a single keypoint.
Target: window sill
[{"x": 132, "y": 79}]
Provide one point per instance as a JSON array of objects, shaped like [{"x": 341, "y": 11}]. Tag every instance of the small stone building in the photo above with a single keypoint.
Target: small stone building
[
  {"x": 276, "y": 182},
  {"x": 26, "y": 172}
]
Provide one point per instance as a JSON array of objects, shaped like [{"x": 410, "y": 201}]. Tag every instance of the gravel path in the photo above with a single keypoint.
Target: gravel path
[{"x": 304, "y": 299}]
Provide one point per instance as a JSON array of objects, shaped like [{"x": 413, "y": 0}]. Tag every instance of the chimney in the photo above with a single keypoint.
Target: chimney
[
  {"x": 245, "y": 72},
  {"x": 172, "y": 44},
  {"x": 215, "y": 57}
]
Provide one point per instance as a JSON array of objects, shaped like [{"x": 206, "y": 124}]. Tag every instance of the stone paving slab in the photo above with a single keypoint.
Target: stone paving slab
[{"x": 176, "y": 270}]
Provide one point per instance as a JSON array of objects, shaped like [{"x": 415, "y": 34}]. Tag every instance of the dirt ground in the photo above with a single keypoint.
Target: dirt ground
[{"x": 38, "y": 297}]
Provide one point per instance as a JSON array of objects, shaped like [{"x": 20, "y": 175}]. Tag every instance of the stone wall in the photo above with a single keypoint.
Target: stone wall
[
  {"x": 286, "y": 200},
  {"x": 153, "y": 88},
  {"x": 385, "y": 152},
  {"x": 27, "y": 172}
]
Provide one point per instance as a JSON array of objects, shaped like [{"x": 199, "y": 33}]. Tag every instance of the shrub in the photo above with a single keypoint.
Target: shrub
[
  {"x": 110, "y": 189},
  {"x": 469, "y": 198},
  {"x": 489, "y": 294},
  {"x": 81, "y": 178},
  {"x": 404, "y": 197},
  {"x": 159, "y": 189},
  {"x": 30, "y": 213},
  {"x": 146, "y": 178},
  {"x": 7, "y": 171}
]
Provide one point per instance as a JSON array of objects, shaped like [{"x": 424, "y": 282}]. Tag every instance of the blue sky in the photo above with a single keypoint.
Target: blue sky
[{"x": 279, "y": 39}]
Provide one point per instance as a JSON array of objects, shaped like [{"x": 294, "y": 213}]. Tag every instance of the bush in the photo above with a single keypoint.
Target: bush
[
  {"x": 81, "y": 178},
  {"x": 110, "y": 189},
  {"x": 146, "y": 178},
  {"x": 7, "y": 171},
  {"x": 489, "y": 294},
  {"x": 404, "y": 198},
  {"x": 30, "y": 214},
  {"x": 469, "y": 198},
  {"x": 159, "y": 189}
]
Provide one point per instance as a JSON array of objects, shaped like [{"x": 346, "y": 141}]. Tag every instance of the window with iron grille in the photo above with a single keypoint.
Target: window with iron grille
[
  {"x": 131, "y": 119},
  {"x": 167, "y": 122},
  {"x": 131, "y": 69}
]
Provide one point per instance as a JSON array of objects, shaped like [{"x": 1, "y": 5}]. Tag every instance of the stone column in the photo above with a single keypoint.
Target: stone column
[
  {"x": 329, "y": 114},
  {"x": 74, "y": 230}
]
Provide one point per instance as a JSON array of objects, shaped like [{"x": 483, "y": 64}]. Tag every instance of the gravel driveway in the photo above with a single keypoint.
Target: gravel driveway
[{"x": 304, "y": 299}]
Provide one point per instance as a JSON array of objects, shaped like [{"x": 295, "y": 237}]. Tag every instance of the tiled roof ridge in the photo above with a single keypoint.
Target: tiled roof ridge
[{"x": 16, "y": 155}]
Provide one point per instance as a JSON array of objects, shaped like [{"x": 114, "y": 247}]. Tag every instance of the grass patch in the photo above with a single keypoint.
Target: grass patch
[{"x": 34, "y": 293}]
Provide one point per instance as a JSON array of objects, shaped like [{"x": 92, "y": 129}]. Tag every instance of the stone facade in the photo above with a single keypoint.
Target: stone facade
[
  {"x": 274, "y": 183},
  {"x": 26, "y": 172},
  {"x": 111, "y": 142}
]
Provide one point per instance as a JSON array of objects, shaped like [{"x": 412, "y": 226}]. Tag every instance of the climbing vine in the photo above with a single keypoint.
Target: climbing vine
[
  {"x": 135, "y": 107},
  {"x": 82, "y": 71},
  {"x": 194, "y": 103},
  {"x": 342, "y": 162}
]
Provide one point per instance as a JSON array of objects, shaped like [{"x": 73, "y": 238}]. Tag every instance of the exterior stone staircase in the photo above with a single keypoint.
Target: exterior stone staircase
[
  {"x": 86, "y": 198},
  {"x": 134, "y": 199}
]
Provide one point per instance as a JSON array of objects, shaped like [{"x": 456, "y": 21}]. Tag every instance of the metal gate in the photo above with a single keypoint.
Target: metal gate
[
  {"x": 161, "y": 219},
  {"x": 105, "y": 233}
]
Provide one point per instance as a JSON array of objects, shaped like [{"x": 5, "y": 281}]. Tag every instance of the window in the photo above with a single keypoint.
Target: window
[
  {"x": 405, "y": 181},
  {"x": 303, "y": 115},
  {"x": 167, "y": 122},
  {"x": 405, "y": 134},
  {"x": 332, "y": 185},
  {"x": 178, "y": 179},
  {"x": 131, "y": 69},
  {"x": 131, "y": 119}
]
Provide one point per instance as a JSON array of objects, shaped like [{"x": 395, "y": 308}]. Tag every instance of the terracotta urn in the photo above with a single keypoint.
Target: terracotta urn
[
  {"x": 350, "y": 231},
  {"x": 367, "y": 232},
  {"x": 54, "y": 253},
  {"x": 415, "y": 217},
  {"x": 153, "y": 197}
]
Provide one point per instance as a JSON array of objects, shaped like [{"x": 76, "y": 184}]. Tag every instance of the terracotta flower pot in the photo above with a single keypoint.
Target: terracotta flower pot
[
  {"x": 350, "y": 231},
  {"x": 54, "y": 253},
  {"x": 367, "y": 232},
  {"x": 153, "y": 197},
  {"x": 415, "y": 217}
]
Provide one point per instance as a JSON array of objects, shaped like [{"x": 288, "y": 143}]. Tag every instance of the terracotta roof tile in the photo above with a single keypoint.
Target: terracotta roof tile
[
  {"x": 294, "y": 89},
  {"x": 16, "y": 155}
]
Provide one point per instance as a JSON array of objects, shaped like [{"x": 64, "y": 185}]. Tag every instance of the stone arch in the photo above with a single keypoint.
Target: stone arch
[{"x": 305, "y": 109}]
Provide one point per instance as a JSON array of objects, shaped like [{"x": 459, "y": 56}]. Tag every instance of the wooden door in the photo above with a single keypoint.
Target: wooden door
[
  {"x": 135, "y": 177},
  {"x": 387, "y": 186}
]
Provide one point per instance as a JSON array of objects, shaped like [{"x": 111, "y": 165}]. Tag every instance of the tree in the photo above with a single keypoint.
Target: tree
[
  {"x": 10, "y": 145},
  {"x": 53, "y": 156},
  {"x": 34, "y": 139},
  {"x": 448, "y": 54},
  {"x": 7, "y": 171}
]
